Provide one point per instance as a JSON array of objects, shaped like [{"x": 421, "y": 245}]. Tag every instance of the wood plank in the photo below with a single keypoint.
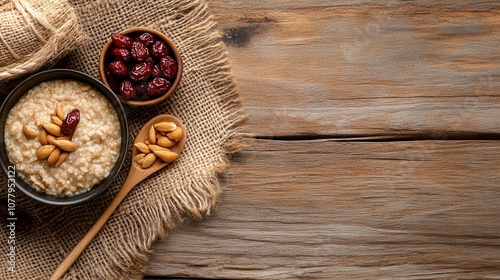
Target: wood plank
[
  {"x": 365, "y": 68},
  {"x": 243, "y": 6},
  {"x": 347, "y": 210}
]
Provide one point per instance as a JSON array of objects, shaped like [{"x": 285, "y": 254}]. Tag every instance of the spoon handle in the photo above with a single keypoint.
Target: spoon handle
[{"x": 63, "y": 267}]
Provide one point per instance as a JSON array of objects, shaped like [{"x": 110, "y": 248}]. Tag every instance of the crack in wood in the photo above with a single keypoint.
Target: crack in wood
[{"x": 452, "y": 136}]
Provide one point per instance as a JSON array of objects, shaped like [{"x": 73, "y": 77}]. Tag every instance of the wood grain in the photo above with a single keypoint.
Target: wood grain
[
  {"x": 348, "y": 68},
  {"x": 375, "y": 149},
  {"x": 326, "y": 210}
]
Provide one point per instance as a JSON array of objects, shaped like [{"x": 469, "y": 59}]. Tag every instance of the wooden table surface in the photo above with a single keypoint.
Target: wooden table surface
[{"x": 374, "y": 149}]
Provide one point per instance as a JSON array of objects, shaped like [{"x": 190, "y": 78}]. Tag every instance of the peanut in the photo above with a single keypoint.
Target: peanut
[
  {"x": 52, "y": 129},
  {"x": 165, "y": 142},
  {"x": 56, "y": 120},
  {"x": 54, "y": 156},
  {"x": 139, "y": 157},
  {"x": 42, "y": 137},
  {"x": 161, "y": 136},
  {"x": 44, "y": 151},
  {"x": 166, "y": 156},
  {"x": 165, "y": 126},
  {"x": 175, "y": 135},
  {"x": 148, "y": 160},
  {"x": 66, "y": 145},
  {"x": 61, "y": 159},
  {"x": 59, "y": 111},
  {"x": 152, "y": 135},
  {"x": 143, "y": 148},
  {"x": 28, "y": 132}
]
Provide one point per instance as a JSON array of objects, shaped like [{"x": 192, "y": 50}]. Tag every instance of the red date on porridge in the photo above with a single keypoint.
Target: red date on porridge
[{"x": 70, "y": 122}]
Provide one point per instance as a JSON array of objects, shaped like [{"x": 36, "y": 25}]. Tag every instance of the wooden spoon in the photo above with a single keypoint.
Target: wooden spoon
[{"x": 135, "y": 176}]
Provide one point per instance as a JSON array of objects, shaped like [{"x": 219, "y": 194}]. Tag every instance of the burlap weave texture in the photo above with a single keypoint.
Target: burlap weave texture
[
  {"x": 34, "y": 33},
  {"x": 207, "y": 103}
]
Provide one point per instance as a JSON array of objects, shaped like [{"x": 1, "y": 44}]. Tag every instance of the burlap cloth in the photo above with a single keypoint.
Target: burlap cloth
[
  {"x": 206, "y": 101},
  {"x": 35, "y": 33}
]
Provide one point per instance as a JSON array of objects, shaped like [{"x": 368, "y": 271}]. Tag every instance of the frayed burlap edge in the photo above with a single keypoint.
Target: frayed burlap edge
[{"x": 200, "y": 196}]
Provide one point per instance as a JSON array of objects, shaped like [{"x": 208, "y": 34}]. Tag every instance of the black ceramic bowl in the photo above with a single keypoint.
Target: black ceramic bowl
[{"x": 18, "y": 92}]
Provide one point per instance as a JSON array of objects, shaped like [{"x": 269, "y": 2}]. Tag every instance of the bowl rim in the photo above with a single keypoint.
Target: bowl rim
[
  {"x": 172, "y": 46},
  {"x": 18, "y": 92}
]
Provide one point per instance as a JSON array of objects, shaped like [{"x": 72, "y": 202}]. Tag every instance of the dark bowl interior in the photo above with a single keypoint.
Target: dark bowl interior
[{"x": 19, "y": 91}]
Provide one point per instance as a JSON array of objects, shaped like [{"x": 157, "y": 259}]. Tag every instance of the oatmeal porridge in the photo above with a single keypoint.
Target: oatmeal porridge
[{"x": 77, "y": 161}]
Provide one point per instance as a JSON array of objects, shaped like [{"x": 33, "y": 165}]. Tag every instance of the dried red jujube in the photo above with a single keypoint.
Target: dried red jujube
[
  {"x": 142, "y": 66},
  {"x": 127, "y": 89},
  {"x": 120, "y": 54},
  {"x": 156, "y": 71},
  {"x": 118, "y": 68},
  {"x": 70, "y": 123},
  {"x": 159, "y": 49},
  {"x": 146, "y": 38},
  {"x": 149, "y": 61},
  {"x": 139, "y": 51},
  {"x": 121, "y": 41},
  {"x": 111, "y": 80},
  {"x": 169, "y": 67},
  {"x": 139, "y": 72},
  {"x": 158, "y": 86}
]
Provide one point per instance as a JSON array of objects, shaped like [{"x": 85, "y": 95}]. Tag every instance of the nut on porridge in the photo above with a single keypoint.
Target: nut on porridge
[{"x": 63, "y": 136}]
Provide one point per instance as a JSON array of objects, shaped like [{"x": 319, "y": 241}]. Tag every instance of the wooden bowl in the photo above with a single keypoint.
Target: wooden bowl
[{"x": 132, "y": 32}]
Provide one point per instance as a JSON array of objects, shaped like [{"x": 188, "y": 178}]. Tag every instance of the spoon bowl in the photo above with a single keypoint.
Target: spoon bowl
[
  {"x": 136, "y": 168},
  {"x": 135, "y": 176}
]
